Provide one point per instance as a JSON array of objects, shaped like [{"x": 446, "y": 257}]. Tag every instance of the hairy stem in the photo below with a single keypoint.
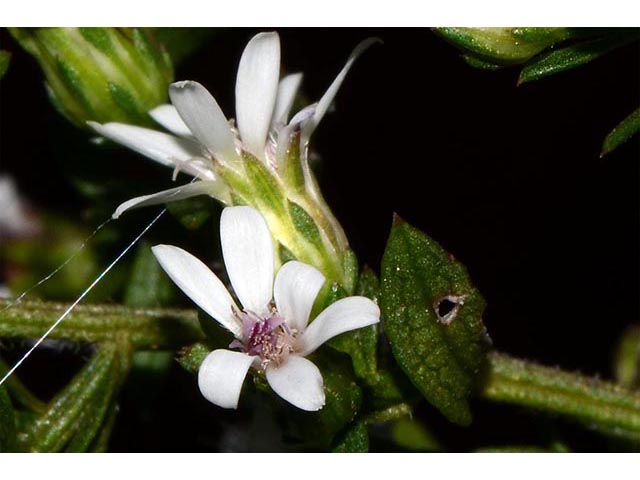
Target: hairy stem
[
  {"x": 598, "y": 404},
  {"x": 146, "y": 328},
  {"x": 601, "y": 405}
]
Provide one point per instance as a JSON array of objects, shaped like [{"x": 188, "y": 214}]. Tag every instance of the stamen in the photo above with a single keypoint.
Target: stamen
[{"x": 269, "y": 338}]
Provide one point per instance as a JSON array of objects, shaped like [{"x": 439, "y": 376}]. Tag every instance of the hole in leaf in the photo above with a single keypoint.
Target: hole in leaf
[{"x": 447, "y": 308}]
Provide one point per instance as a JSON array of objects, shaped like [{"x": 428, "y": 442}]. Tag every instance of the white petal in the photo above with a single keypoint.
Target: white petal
[
  {"x": 200, "y": 284},
  {"x": 287, "y": 90},
  {"x": 221, "y": 376},
  {"x": 248, "y": 254},
  {"x": 256, "y": 90},
  {"x": 159, "y": 146},
  {"x": 215, "y": 189},
  {"x": 303, "y": 115},
  {"x": 167, "y": 115},
  {"x": 295, "y": 290},
  {"x": 327, "y": 98},
  {"x": 344, "y": 315},
  {"x": 204, "y": 118},
  {"x": 282, "y": 146},
  {"x": 299, "y": 382}
]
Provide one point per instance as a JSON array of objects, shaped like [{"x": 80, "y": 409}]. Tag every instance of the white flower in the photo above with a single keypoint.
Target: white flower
[
  {"x": 15, "y": 220},
  {"x": 272, "y": 328},
  {"x": 203, "y": 137}
]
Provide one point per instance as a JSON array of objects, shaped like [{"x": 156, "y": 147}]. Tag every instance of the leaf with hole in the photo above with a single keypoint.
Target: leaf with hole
[{"x": 432, "y": 317}]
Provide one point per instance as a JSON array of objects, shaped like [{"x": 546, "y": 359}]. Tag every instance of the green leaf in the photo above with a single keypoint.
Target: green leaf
[
  {"x": 91, "y": 420},
  {"x": 410, "y": 434},
  {"x": 5, "y": 58},
  {"x": 7, "y": 423},
  {"x": 355, "y": 440},
  {"x": 75, "y": 415},
  {"x": 191, "y": 357},
  {"x": 574, "y": 55},
  {"x": 343, "y": 399},
  {"x": 148, "y": 285},
  {"x": 626, "y": 129},
  {"x": 432, "y": 317},
  {"x": 361, "y": 344},
  {"x": 503, "y": 45},
  {"x": 343, "y": 396},
  {"x": 101, "y": 442},
  {"x": 193, "y": 212},
  {"x": 480, "y": 63},
  {"x": 389, "y": 414},
  {"x": 627, "y": 359},
  {"x": 392, "y": 387}
]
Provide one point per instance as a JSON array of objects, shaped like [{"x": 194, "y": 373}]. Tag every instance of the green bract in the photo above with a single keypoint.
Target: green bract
[
  {"x": 432, "y": 317},
  {"x": 100, "y": 74},
  {"x": 503, "y": 45},
  {"x": 626, "y": 129}
]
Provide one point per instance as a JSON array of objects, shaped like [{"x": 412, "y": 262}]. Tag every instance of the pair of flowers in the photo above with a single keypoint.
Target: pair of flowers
[{"x": 272, "y": 330}]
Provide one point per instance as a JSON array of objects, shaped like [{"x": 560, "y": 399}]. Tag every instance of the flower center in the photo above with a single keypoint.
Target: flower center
[{"x": 268, "y": 338}]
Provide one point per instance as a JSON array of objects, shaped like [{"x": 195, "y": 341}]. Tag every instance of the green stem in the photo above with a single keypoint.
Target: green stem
[
  {"x": 595, "y": 403},
  {"x": 604, "y": 406},
  {"x": 146, "y": 328}
]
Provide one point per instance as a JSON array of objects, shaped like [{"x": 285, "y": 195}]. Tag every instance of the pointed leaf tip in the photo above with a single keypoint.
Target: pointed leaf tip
[
  {"x": 397, "y": 219},
  {"x": 443, "y": 353}
]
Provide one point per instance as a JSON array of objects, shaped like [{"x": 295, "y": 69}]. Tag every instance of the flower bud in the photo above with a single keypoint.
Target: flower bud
[
  {"x": 503, "y": 45},
  {"x": 100, "y": 74}
]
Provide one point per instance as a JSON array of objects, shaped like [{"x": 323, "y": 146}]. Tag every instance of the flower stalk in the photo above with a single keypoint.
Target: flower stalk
[{"x": 595, "y": 403}]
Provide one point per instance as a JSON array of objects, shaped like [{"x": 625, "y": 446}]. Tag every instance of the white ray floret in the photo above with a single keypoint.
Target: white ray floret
[
  {"x": 202, "y": 137},
  {"x": 272, "y": 328}
]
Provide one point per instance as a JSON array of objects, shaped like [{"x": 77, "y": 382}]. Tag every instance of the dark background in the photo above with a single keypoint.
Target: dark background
[{"x": 506, "y": 178}]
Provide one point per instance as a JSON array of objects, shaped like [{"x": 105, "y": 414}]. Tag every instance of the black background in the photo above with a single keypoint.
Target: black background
[{"x": 506, "y": 178}]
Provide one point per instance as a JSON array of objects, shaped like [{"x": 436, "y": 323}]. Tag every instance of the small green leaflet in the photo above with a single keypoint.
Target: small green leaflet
[
  {"x": 432, "y": 317},
  {"x": 626, "y": 129},
  {"x": 355, "y": 440},
  {"x": 572, "y": 56}
]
